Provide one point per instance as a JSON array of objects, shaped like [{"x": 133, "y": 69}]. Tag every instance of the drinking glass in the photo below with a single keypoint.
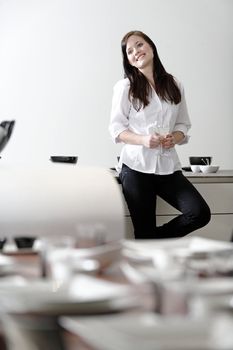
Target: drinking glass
[
  {"x": 55, "y": 257},
  {"x": 162, "y": 130},
  {"x": 90, "y": 235}
]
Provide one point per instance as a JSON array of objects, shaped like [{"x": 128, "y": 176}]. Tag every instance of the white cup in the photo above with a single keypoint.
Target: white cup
[
  {"x": 195, "y": 168},
  {"x": 55, "y": 258}
]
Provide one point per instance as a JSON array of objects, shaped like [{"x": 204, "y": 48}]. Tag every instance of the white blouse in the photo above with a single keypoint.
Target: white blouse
[{"x": 156, "y": 115}]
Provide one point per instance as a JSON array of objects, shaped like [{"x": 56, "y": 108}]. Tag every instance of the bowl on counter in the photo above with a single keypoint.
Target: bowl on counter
[
  {"x": 195, "y": 168},
  {"x": 209, "y": 168},
  {"x": 64, "y": 159},
  {"x": 24, "y": 242},
  {"x": 202, "y": 160}
]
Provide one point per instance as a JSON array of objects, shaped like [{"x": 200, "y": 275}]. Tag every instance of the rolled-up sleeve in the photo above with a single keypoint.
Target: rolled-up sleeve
[
  {"x": 183, "y": 122},
  {"x": 119, "y": 120}
]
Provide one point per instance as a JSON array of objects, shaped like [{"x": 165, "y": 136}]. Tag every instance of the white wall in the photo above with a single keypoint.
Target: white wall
[{"x": 59, "y": 60}]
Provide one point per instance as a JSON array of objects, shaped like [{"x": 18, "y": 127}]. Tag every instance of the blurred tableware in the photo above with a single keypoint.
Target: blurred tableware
[
  {"x": 190, "y": 257},
  {"x": 58, "y": 242},
  {"x": 147, "y": 331},
  {"x": 86, "y": 266},
  {"x": 54, "y": 257},
  {"x": 214, "y": 286},
  {"x": 90, "y": 235},
  {"x": 83, "y": 295},
  {"x": 198, "y": 247},
  {"x": 24, "y": 242},
  {"x": 106, "y": 255},
  {"x": 174, "y": 296},
  {"x": 198, "y": 256},
  {"x": 212, "y": 305},
  {"x": 2, "y": 242},
  {"x": 62, "y": 264},
  {"x": 200, "y": 160},
  {"x": 222, "y": 262},
  {"x": 57, "y": 266},
  {"x": 167, "y": 277},
  {"x": 209, "y": 168},
  {"x": 195, "y": 168}
]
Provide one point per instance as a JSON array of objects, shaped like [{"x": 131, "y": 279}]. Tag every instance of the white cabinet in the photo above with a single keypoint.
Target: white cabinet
[{"x": 217, "y": 190}]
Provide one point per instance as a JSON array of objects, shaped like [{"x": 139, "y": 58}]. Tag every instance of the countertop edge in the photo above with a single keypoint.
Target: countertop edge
[{"x": 221, "y": 176}]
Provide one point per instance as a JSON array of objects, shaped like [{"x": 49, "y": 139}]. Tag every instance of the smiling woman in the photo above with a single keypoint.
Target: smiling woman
[
  {"x": 149, "y": 116},
  {"x": 139, "y": 52}
]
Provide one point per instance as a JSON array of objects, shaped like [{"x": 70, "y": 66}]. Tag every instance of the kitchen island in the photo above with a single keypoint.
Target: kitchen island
[{"x": 217, "y": 190}]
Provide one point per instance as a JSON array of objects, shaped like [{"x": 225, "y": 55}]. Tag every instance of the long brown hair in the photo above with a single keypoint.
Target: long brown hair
[{"x": 140, "y": 89}]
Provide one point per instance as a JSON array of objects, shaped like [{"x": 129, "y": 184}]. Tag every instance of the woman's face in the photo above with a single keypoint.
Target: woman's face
[{"x": 139, "y": 52}]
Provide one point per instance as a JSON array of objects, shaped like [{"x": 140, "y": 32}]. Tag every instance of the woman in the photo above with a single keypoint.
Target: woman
[{"x": 149, "y": 115}]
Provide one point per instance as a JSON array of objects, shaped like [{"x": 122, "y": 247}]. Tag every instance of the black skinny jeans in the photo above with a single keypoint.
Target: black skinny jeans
[{"x": 140, "y": 191}]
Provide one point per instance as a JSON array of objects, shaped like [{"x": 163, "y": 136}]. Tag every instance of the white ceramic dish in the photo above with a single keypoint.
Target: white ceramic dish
[
  {"x": 141, "y": 331},
  {"x": 209, "y": 168},
  {"x": 195, "y": 168},
  {"x": 84, "y": 295},
  {"x": 105, "y": 255},
  {"x": 11, "y": 249}
]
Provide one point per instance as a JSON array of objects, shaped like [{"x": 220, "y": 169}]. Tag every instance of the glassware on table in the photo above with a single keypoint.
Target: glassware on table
[
  {"x": 54, "y": 254},
  {"x": 64, "y": 256},
  {"x": 222, "y": 262},
  {"x": 90, "y": 235}
]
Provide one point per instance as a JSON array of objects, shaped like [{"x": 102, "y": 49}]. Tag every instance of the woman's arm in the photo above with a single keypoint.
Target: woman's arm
[
  {"x": 149, "y": 141},
  {"x": 183, "y": 123},
  {"x": 178, "y": 137}
]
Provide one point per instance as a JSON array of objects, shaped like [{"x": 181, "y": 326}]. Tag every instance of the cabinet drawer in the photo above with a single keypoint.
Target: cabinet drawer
[
  {"x": 220, "y": 227},
  {"x": 219, "y": 197}
]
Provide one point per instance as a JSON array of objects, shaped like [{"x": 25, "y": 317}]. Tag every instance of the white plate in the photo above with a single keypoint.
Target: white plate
[
  {"x": 85, "y": 295},
  {"x": 148, "y": 246},
  {"x": 190, "y": 245},
  {"x": 147, "y": 331},
  {"x": 105, "y": 255}
]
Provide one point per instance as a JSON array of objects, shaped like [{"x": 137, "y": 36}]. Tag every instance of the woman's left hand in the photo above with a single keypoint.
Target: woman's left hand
[{"x": 168, "y": 141}]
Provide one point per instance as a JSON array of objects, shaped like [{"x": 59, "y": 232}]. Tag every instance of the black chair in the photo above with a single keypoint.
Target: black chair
[{"x": 6, "y": 129}]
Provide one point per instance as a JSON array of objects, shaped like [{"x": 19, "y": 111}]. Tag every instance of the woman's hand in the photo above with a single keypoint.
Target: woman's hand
[
  {"x": 151, "y": 141},
  {"x": 168, "y": 141}
]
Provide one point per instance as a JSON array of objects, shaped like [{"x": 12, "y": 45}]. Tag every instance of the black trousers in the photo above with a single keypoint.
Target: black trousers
[{"x": 141, "y": 190}]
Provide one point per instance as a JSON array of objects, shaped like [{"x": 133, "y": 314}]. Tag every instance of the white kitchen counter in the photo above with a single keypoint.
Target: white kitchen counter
[
  {"x": 217, "y": 189},
  {"x": 218, "y": 177}
]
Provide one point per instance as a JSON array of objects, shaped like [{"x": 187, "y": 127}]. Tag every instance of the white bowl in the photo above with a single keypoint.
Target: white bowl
[
  {"x": 209, "y": 168},
  {"x": 195, "y": 168}
]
